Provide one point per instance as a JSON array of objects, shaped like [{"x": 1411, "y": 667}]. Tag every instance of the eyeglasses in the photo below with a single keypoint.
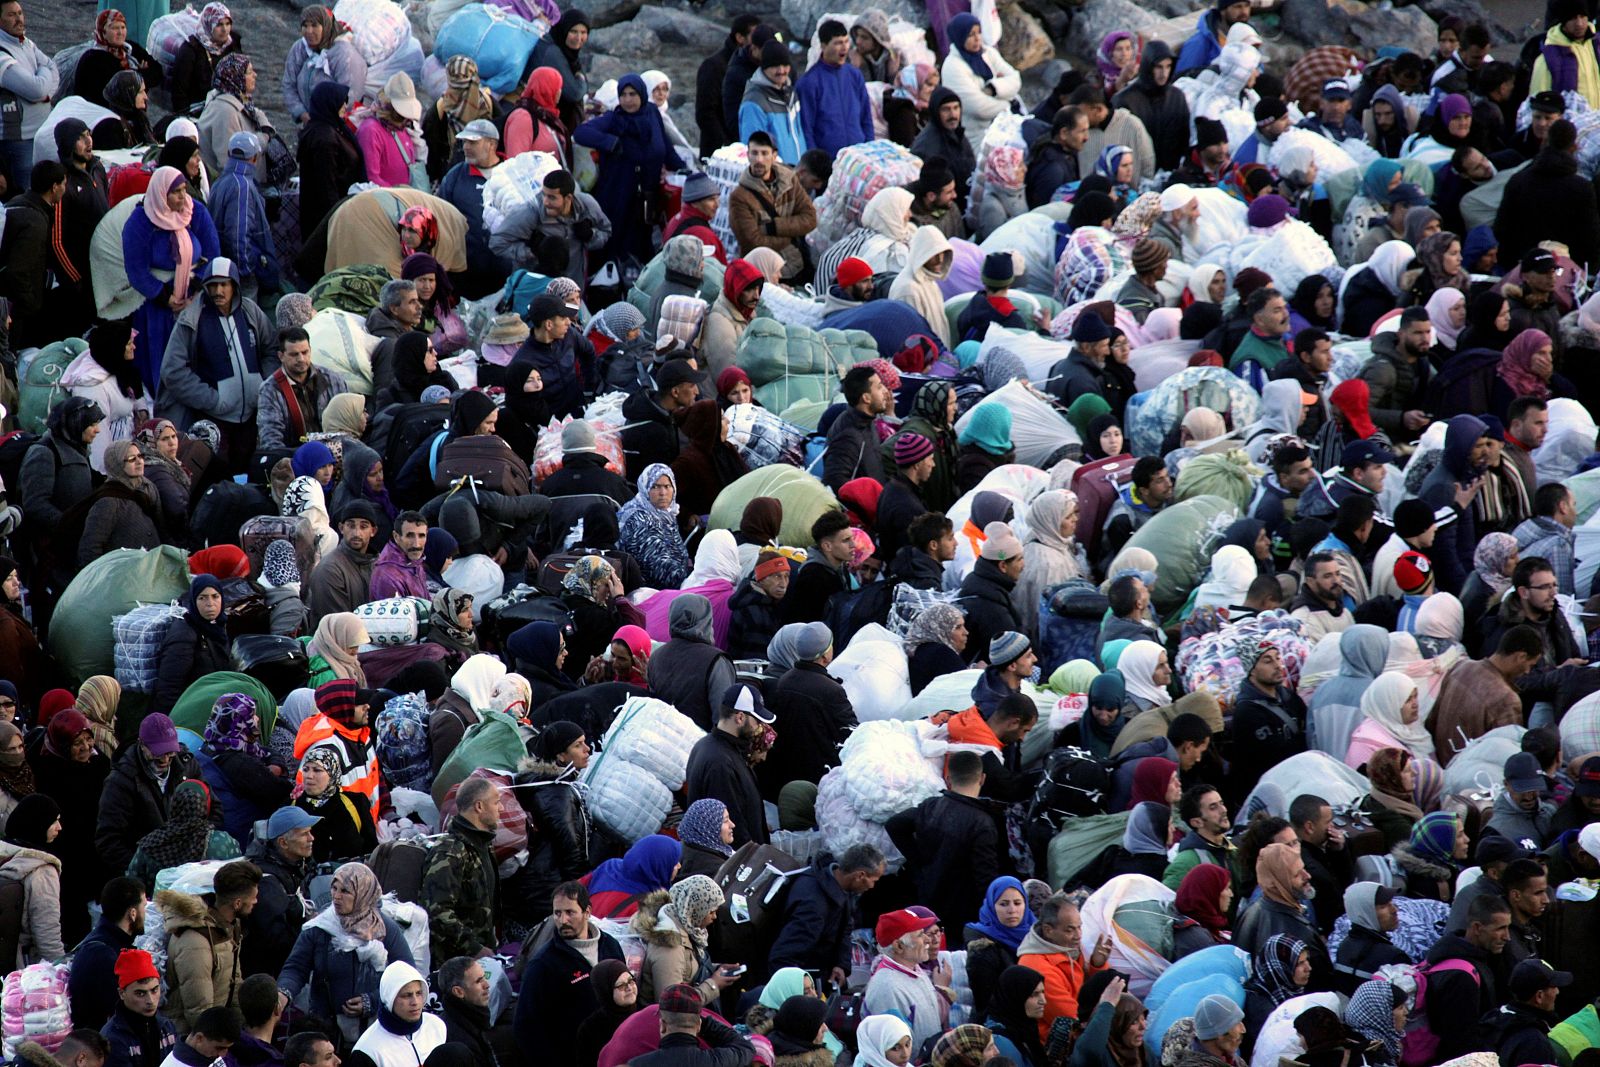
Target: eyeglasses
[
  {"x": 1545, "y": 588},
  {"x": 134, "y": 458},
  {"x": 626, "y": 982}
]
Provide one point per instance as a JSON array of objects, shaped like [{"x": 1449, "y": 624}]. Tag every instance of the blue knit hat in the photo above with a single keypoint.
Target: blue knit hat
[
  {"x": 310, "y": 458},
  {"x": 1007, "y": 648}
]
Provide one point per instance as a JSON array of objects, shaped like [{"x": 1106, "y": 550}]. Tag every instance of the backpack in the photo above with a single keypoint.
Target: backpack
[
  {"x": 1098, "y": 485},
  {"x": 487, "y": 460},
  {"x": 400, "y": 865},
  {"x": 518, "y": 292},
  {"x": 1420, "y": 1046},
  {"x": 277, "y": 662},
  {"x": 852, "y": 609},
  {"x": 411, "y": 425},
  {"x": 222, "y": 511},
  {"x": 401, "y": 737},
  {"x": 1465, "y": 385},
  {"x": 753, "y": 882},
  {"x": 508, "y": 613},
  {"x": 553, "y": 570}
]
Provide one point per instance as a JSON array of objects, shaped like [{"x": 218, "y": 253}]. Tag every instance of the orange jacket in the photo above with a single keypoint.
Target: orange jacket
[
  {"x": 1063, "y": 978},
  {"x": 357, "y": 754}
]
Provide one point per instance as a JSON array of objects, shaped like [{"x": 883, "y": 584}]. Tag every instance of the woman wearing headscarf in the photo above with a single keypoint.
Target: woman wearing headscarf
[
  {"x": 1389, "y": 719},
  {"x": 1282, "y": 878},
  {"x": 883, "y": 240},
  {"x": 416, "y": 366},
  {"x": 759, "y": 527},
  {"x": 535, "y": 123},
  {"x": 706, "y": 831},
  {"x": 1204, "y": 898},
  {"x": 1374, "y": 289},
  {"x": 465, "y": 99},
  {"x": 1377, "y": 1011},
  {"x": 295, "y": 709},
  {"x": 1104, "y": 434},
  {"x": 117, "y": 47},
  {"x": 26, "y": 858},
  {"x": 342, "y": 951},
  {"x": 1493, "y": 562},
  {"x": 158, "y": 442},
  {"x": 538, "y": 651},
  {"x": 616, "y": 992},
  {"x": 346, "y": 829},
  {"x": 1145, "y": 840},
  {"x": 707, "y": 464},
  {"x": 633, "y": 149},
  {"x": 1391, "y": 803},
  {"x": 389, "y": 139},
  {"x": 186, "y": 837},
  {"x": 181, "y": 151},
  {"x": 439, "y": 300},
  {"x": 1014, "y": 1013},
  {"x": 230, "y": 109},
  {"x": 1433, "y": 856},
  {"x": 592, "y": 592},
  {"x": 985, "y": 445},
  {"x": 126, "y": 93},
  {"x": 933, "y": 416},
  {"x": 450, "y": 626},
  {"x": 877, "y": 1036},
  {"x": 617, "y": 886},
  {"x": 1527, "y": 368},
  {"x": 325, "y": 52},
  {"x": 562, "y": 50},
  {"x": 330, "y": 158},
  {"x": 164, "y": 242},
  {"x": 627, "y": 659},
  {"x": 1438, "y": 266},
  {"x": 16, "y": 774},
  {"x": 1488, "y": 323},
  {"x": 905, "y": 105},
  {"x": 648, "y": 529},
  {"x": 1004, "y": 919},
  {"x": 1051, "y": 554},
  {"x": 125, "y": 512},
  {"x": 673, "y": 925},
  {"x": 985, "y": 83},
  {"x": 1118, "y": 165},
  {"x": 249, "y": 789},
  {"x": 196, "y": 643},
  {"x": 798, "y": 1033},
  {"x": 1312, "y": 305},
  {"x": 1372, "y": 208},
  {"x": 332, "y": 649},
  {"x": 1279, "y": 970},
  {"x": 658, "y": 91},
  {"x": 197, "y": 57},
  {"x": 1447, "y": 312},
  {"x": 934, "y": 644},
  {"x": 1147, "y": 674}
]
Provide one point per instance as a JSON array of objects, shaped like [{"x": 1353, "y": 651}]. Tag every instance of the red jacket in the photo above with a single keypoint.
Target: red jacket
[{"x": 691, "y": 223}]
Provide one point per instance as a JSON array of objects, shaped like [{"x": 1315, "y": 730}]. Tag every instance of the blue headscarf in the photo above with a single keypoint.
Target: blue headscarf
[
  {"x": 1376, "y": 178},
  {"x": 310, "y": 458},
  {"x": 989, "y": 922},
  {"x": 956, "y": 33},
  {"x": 199, "y": 584},
  {"x": 702, "y": 825},
  {"x": 1110, "y": 159},
  {"x": 644, "y": 125},
  {"x": 646, "y": 867}
]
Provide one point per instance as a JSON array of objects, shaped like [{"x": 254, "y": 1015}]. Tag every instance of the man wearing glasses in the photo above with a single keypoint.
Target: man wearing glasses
[{"x": 8, "y": 705}]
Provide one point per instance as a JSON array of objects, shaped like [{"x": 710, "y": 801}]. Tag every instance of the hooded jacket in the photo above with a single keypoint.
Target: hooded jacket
[
  {"x": 952, "y": 146},
  {"x": 1336, "y": 706},
  {"x": 689, "y": 671},
  {"x": 775, "y": 112},
  {"x": 55, "y": 474},
  {"x": 203, "y": 969},
  {"x": 918, "y": 285},
  {"x": 383, "y": 1048},
  {"x": 835, "y": 111},
  {"x": 40, "y": 876},
  {"x": 1565, "y": 65},
  {"x": 725, "y": 323},
  {"x": 1395, "y": 384},
  {"x": 240, "y": 213},
  {"x": 1163, "y": 112},
  {"x": 1454, "y": 542},
  {"x": 203, "y": 375}
]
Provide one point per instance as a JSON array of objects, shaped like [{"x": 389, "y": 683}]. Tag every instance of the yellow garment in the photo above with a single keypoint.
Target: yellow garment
[
  {"x": 1588, "y": 66},
  {"x": 363, "y": 230}
]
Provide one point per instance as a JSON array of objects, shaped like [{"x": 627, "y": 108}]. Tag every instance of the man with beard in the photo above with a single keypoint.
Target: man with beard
[
  {"x": 1468, "y": 169},
  {"x": 343, "y": 580},
  {"x": 556, "y": 991},
  {"x": 719, "y": 767},
  {"x": 853, "y": 450},
  {"x": 463, "y": 987},
  {"x": 936, "y": 199},
  {"x": 92, "y": 985},
  {"x": 1053, "y": 160},
  {"x": 1453, "y": 485},
  {"x": 1180, "y": 214},
  {"x": 768, "y": 209},
  {"x": 943, "y": 138},
  {"x": 1321, "y": 603}
]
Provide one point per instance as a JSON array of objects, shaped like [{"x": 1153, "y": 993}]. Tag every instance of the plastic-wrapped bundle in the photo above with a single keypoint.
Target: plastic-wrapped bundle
[
  {"x": 1569, "y": 440},
  {"x": 843, "y": 827},
  {"x": 33, "y": 1007},
  {"x": 1331, "y": 158},
  {"x": 1311, "y": 772},
  {"x": 168, "y": 33},
  {"x": 761, "y": 437},
  {"x": 947, "y": 692},
  {"x": 1481, "y": 765},
  {"x": 1278, "y": 1041},
  {"x": 725, "y": 167},
  {"x": 1033, "y": 236},
  {"x": 112, "y": 585},
  {"x": 139, "y": 634},
  {"x": 547, "y": 448},
  {"x": 624, "y": 798},
  {"x": 885, "y": 771},
  {"x": 1421, "y": 924},
  {"x": 344, "y": 346},
  {"x": 874, "y": 673},
  {"x": 1216, "y": 388},
  {"x": 1289, "y": 255},
  {"x": 1038, "y": 429},
  {"x": 1038, "y": 354},
  {"x": 396, "y": 620},
  {"x": 498, "y": 40},
  {"x": 789, "y": 362},
  {"x": 514, "y": 183},
  {"x": 1137, "y": 912},
  {"x": 804, "y": 498},
  {"x": 401, "y": 737},
  {"x": 1211, "y": 661},
  {"x": 858, "y": 173},
  {"x": 1000, "y": 159},
  {"x": 1225, "y": 474},
  {"x": 1348, "y": 359},
  {"x": 381, "y": 28},
  {"x": 1222, "y": 961},
  {"x": 1091, "y": 258},
  {"x": 654, "y": 736},
  {"x": 1181, "y": 537},
  {"x": 1222, "y": 222}
]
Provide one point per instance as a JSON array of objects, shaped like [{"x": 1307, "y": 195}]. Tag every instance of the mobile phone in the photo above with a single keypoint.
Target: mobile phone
[{"x": 736, "y": 971}]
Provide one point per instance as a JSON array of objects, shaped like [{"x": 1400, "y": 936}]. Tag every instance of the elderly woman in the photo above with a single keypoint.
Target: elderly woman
[
  {"x": 230, "y": 110},
  {"x": 592, "y": 592},
  {"x": 1493, "y": 562},
  {"x": 186, "y": 837},
  {"x": 1051, "y": 554},
  {"x": 125, "y": 513},
  {"x": 648, "y": 529},
  {"x": 1279, "y": 971},
  {"x": 198, "y": 56},
  {"x": 325, "y": 52}
]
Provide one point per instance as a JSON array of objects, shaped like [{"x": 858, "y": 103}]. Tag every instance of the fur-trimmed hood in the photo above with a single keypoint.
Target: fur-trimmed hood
[
  {"x": 817, "y": 1057},
  {"x": 35, "y": 1054},
  {"x": 1412, "y": 863},
  {"x": 185, "y": 911},
  {"x": 532, "y": 771},
  {"x": 24, "y": 861},
  {"x": 645, "y": 919}
]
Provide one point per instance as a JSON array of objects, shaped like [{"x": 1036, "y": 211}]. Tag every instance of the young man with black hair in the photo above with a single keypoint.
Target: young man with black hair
[
  {"x": 708, "y": 117},
  {"x": 824, "y": 572},
  {"x": 1130, "y": 613},
  {"x": 852, "y": 450},
  {"x": 260, "y": 1011},
  {"x": 931, "y": 543},
  {"x": 953, "y": 842},
  {"x": 1457, "y": 1000},
  {"x": 212, "y": 1038},
  {"x": 562, "y": 214},
  {"x": 999, "y": 735},
  {"x": 936, "y": 200},
  {"x": 1478, "y": 695},
  {"x": 1322, "y": 850},
  {"x": 1203, "y": 811},
  {"x": 1185, "y": 743},
  {"x": 1053, "y": 158},
  {"x": 1279, "y": 493},
  {"x": 1321, "y": 605},
  {"x": 835, "y": 111},
  {"x": 1532, "y": 601},
  {"x": 92, "y": 985},
  {"x": 556, "y": 989},
  {"x": 1269, "y": 718},
  {"x": 1142, "y": 499},
  {"x": 1313, "y": 357},
  {"x": 309, "y": 1048},
  {"x": 769, "y": 208},
  {"x": 1397, "y": 376},
  {"x": 1548, "y": 534}
]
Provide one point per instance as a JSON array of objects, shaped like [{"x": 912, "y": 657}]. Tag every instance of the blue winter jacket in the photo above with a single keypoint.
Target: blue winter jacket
[
  {"x": 835, "y": 111},
  {"x": 463, "y": 186},
  {"x": 240, "y": 214},
  {"x": 777, "y": 112},
  {"x": 1201, "y": 49},
  {"x": 336, "y": 976}
]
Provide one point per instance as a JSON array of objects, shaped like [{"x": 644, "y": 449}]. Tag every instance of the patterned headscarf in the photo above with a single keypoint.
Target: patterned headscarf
[
  {"x": 229, "y": 75},
  {"x": 187, "y": 831},
  {"x": 16, "y": 773},
  {"x": 102, "y": 22},
  {"x": 588, "y": 578},
  {"x": 233, "y": 726},
  {"x": 641, "y": 504},
  {"x": 1490, "y": 558},
  {"x": 702, "y": 825},
  {"x": 936, "y": 622},
  {"x": 1272, "y": 969},
  {"x": 328, "y": 760},
  {"x": 279, "y": 566},
  {"x": 932, "y": 402},
  {"x": 692, "y": 901},
  {"x": 420, "y": 219},
  {"x": 443, "y": 629},
  {"x": 1434, "y": 838},
  {"x": 211, "y": 17},
  {"x": 1370, "y": 1013},
  {"x": 365, "y": 921},
  {"x": 98, "y": 698},
  {"x": 963, "y": 1046}
]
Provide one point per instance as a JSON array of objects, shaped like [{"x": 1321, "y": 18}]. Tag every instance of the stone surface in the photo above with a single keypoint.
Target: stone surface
[
  {"x": 681, "y": 28},
  {"x": 1024, "y": 43},
  {"x": 611, "y": 12},
  {"x": 1099, "y": 17},
  {"x": 803, "y": 15},
  {"x": 1470, "y": 11},
  {"x": 1314, "y": 22},
  {"x": 1404, "y": 27},
  {"x": 624, "y": 41}
]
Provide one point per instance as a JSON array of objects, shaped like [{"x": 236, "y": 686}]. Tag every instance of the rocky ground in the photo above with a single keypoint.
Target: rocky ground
[{"x": 675, "y": 35}]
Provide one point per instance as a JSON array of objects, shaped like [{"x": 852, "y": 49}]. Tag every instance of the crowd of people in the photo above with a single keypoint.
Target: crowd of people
[{"x": 1191, "y": 462}]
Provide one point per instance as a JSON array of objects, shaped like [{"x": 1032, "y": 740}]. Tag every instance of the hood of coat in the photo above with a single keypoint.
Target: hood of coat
[
  {"x": 926, "y": 243},
  {"x": 1363, "y": 650},
  {"x": 645, "y": 920},
  {"x": 773, "y": 98},
  {"x": 690, "y": 617},
  {"x": 36, "y": 1055},
  {"x": 1412, "y": 863},
  {"x": 740, "y": 275},
  {"x": 1154, "y": 52},
  {"x": 18, "y": 861},
  {"x": 1459, "y": 437},
  {"x": 185, "y": 911},
  {"x": 532, "y": 771}
]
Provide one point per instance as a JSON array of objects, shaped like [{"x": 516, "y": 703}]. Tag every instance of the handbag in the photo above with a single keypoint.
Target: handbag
[
  {"x": 281, "y": 164},
  {"x": 416, "y": 170}
]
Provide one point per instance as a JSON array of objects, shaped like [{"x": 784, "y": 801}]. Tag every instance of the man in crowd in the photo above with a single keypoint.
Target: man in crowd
[
  {"x": 460, "y": 887},
  {"x": 291, "y": 401}
]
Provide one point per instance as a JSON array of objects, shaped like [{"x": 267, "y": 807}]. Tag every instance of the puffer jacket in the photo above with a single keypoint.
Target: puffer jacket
[
  {"x": 40, "y": 875},
  {"x": 775, "y": 112},
  {"x": 558, "y": 821},
  {"x": 986, "y": 599},
  {"x": 203, "y": 969},
  {"x": 133, "y": 802},
  {"x": 670, "y": 956}
]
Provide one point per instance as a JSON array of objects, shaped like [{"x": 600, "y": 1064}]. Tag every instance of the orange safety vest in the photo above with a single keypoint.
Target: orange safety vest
[{"x": 319, "y": 731}]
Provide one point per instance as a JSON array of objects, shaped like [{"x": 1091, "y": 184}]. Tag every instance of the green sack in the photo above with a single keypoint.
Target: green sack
[
  {"x": 354, "y": 288},
  {"x": 493, "y": 742},
  {"x": 40, "y": 387},
  {"x": 82, "y": 640},
  {"x": 1181, "y": 536},
  {"x": 1080, "y": 842},
  {"x": 790, "y": 363},
  {"x": 643, "y": 293},
  {"x": 804, "y": 500},
  {"x": 1228, "y": 475},
  {"x": 193, "y": 709}
]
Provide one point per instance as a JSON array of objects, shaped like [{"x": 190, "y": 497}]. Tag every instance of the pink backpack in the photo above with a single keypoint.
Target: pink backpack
[{"x": 1420, "y": 1046}]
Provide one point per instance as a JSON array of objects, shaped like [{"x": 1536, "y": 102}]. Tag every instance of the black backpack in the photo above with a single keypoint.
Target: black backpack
[
  {"x": 410, "y": 425},
  {"x": 1076, "y": 784}
]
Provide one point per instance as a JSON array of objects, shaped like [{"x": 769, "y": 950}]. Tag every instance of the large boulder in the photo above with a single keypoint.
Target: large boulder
[
  {"x": 682, "y": 28},
  {"x": 803, "y": 15},
  {"x": 626, "y": 40},
  {"x": 1024, "y": 42},
  {"x": 1314, "y": 22},
  {"x": 1403, "y": 27},
  {"x": 1099, "y": 17},
  {"x": 611, "y": 12}
]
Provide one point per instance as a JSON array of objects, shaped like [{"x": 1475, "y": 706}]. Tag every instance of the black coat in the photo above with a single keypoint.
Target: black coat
[
  {"x": 585, "y": 473},
  {"x": 330, "y": 163},
  {"x": 722, "y": 1047},
  {"x": 187, "y": 653},
  {"x": 558, "y": 833},
  {"x": 1262, "y": 738},
  {"x": 556, "y": 993},
  {"x": 1366, "y": 300},
  {"x": 691, "y": 675},
  {"x": 133, "y": 803},
  {"x": 1359, "y": 957},
  {"x": 718, "y": 768},
  {"x": 468, "y": 1024},
  {"x": 77, "y": 788},
  {"x": 1049, "y": 168},
  {"x": 272, "y": 927},
  {"x": 1456, "y": 1002},
  {"x": 986, "y": 602},
  {"x": 817, "y": 918},
  {"x": 1525, "y": 218},
  {"x": 192, "y": 71},
  {"x": 814, "y": 718},
  {"x": 708, "y": 116},
  {"x": 346, "y": 830},
  {"x": 952, "y": 146},
  {"x": 1520, "y": 1033},
  {"x": 952, "y": 844},
  {"x": 1163, "y": 110},
  {"x": 1332, "y": 872},
  {"x": 92, "y": 985},
  {"x": 809, "y": 590},
  {"x": 650, "y": 434},
  {"x": 755, "y": 618},
  {"x": 898, "y": 506}
]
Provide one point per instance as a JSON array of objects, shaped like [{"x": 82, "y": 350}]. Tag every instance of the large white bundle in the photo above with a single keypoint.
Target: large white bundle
[
  {"x": 1348, "y": 359},
  {"x": 1222, "y": 222},
  {"x": 406, "y": 59},
  {"x": 1331, "y": 159},
  {"x": 1033, "y": 236},
  {"x": 1038, "y": 353},
  {"x": 626, "y": 798},
  {"x": 1312, "y": 772},
  {"x": 725, "y": 167},
  {"x": 380, "y": 26},
  {"x": 842, "y": 826},
  {"x": 1038, "y": 428},
  {"x": 439, "y": 12},
  {"x": 654, "y": 736},
  {"x": 514, "y": 183},
  {"x": 1569, "y": 441},
  {"x": 70, "y": 107},
  {"x": 947, "y": 692},
  {"x": 1482, "y": 764},
  {"x": 1129, "y": 954},
  {"x": 167, "y": 34},
  {"x": 885, "y": 770},
  {"x": 340, "y": 342},
  {"x": 1154, "y": 363},
  {"x": 874, "y": 673},
  {"x": 1290, "y": 255},
  {"x": 1278, "y": 1038},
  {"x": 413, "y": 922}
]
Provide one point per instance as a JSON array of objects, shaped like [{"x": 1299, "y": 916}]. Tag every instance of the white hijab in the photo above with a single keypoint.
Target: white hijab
[
  {"x": 1138, "y": 663},
  {"x": 1382, "y": 703},
  {"x": 875, "y": 1036},
  {"x": 717, "y": 559}
]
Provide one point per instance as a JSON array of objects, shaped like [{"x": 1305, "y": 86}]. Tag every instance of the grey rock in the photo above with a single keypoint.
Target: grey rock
[
  {"x": 803, "y": 15},
  {"x": 1404, "y": 27},
  {"x": 682, "y": 28},
  {"x": 1097, "y": 18},
  {"x": 1314, "y": 22},
  {"x": 1169, "y": 8},
  {"x": 625, "y": 39},
  {"x": 1470, "y": 11},
  {"x": 604, "y": 68},
  {"x": 611, "y": 12}
]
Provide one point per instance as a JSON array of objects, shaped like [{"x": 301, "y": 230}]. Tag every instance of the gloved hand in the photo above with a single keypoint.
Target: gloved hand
[{"x": 583, "y": 230}]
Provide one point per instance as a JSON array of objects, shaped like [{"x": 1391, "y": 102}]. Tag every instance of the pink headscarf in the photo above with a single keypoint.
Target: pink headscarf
[
  {"x": 1516, "y": 364},
  {"x": 162, "y": 182},
  {"x": 1102, "y": 57}
]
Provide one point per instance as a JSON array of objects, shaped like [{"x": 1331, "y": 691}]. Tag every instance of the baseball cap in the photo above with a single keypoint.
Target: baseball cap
[
  {"x": 1383, "y": 894},
  {"x": 1538, "y": 261},
  {"x": 1535, "y": 975},
  {"x": 478, "y": 130},
  {"x": 1497, "y": 848},
  {"x": 1364, "y": 453},
  {"x": 158, "y": 734},
  {"x": 1523, "y": 773},
  {"x": 893, "y": 925},
  {"x": 289, "y": 818},
  {"x": 1335, "y": 89},
  {"x": 742, "y": 696},
  {"x": 401, "y": 93},
  {"x": 1589, "y": 839},
  {"x": 1588, "y": 783},
  {"x": 1408, "y": 193}
]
